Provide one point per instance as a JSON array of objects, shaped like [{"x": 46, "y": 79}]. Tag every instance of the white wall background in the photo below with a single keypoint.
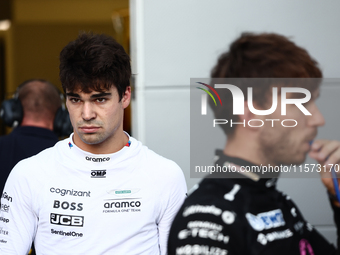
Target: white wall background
[{"x": 173, "y": 41}]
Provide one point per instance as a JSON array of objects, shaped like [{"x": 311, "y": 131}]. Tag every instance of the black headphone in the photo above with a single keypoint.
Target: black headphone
[{"x": 11, "y": 112}]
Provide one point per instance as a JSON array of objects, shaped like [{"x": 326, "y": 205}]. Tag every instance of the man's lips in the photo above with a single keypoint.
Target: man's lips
[
  {"x": 89, "y": 129},
  {"x": 310, "y": 141}
]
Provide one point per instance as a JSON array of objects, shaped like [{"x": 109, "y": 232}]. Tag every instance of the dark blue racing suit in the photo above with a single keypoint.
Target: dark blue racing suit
[{"x": 243, "y": 216}]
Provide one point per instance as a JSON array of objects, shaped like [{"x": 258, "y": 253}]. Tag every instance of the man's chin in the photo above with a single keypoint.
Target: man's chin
[
  {"x": 298, "y": 160},
  {"x": 91, "y": 139}
]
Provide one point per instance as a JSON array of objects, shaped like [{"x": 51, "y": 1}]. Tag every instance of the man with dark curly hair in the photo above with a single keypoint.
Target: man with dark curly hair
[{"x": 100, "y": 191}]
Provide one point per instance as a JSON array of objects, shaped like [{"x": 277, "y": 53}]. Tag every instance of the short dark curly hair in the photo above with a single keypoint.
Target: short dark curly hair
[
  {"x": 94, "y": 62},
  {"x": 265, "y": 55}
]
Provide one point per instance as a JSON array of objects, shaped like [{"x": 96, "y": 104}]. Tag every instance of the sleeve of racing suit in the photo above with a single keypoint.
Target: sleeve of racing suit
[
  {"x": 175, "y": 190},
  {"x": 336, "y": 211},
  {"x": 17, "y": 219}
]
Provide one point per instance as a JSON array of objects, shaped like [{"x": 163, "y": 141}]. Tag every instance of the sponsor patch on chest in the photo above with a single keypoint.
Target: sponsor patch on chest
[{"x": 266, "y": 220}]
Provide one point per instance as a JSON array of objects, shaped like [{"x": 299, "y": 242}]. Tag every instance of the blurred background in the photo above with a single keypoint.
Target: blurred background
[
  {"x": 170, "y": 42},
  {"x": 32, "y": 34}
]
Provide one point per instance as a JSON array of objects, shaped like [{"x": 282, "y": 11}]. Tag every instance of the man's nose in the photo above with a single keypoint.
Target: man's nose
[
  {"x": 88, "y": 112},
  {"x": 317, "y": 118}
]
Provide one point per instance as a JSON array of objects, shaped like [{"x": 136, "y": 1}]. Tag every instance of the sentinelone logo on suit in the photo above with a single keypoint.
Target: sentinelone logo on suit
[{"x": 122, "y": 203}]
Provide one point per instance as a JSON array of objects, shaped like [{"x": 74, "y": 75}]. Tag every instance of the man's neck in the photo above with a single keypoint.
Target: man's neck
[
  {"x": 41, "y": 124},
  {"x": 246, "y": 148},
  {"x": 251, "y": 153},
  {"x": 111, "y": 145}
]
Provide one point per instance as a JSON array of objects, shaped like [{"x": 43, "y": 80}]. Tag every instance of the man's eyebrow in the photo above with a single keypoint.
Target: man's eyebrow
[
  {"x": 101, "y": 95},
  {"x": 70, "y": 94}
]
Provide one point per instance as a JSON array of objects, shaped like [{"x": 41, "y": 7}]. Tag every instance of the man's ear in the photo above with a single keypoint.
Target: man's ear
[
  {"x": 252, "y": 121},
  {"x": 126, "y": 97}
]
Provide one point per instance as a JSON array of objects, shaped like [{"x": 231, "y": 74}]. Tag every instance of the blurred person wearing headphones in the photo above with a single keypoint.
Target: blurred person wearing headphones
[{"x": 39, "y": 117}]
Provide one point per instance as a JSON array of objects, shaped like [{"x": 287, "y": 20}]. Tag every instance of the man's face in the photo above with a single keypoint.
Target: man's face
[
  {"x": 289, "y": 145},
  {"x": 97, "y": 117}
]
